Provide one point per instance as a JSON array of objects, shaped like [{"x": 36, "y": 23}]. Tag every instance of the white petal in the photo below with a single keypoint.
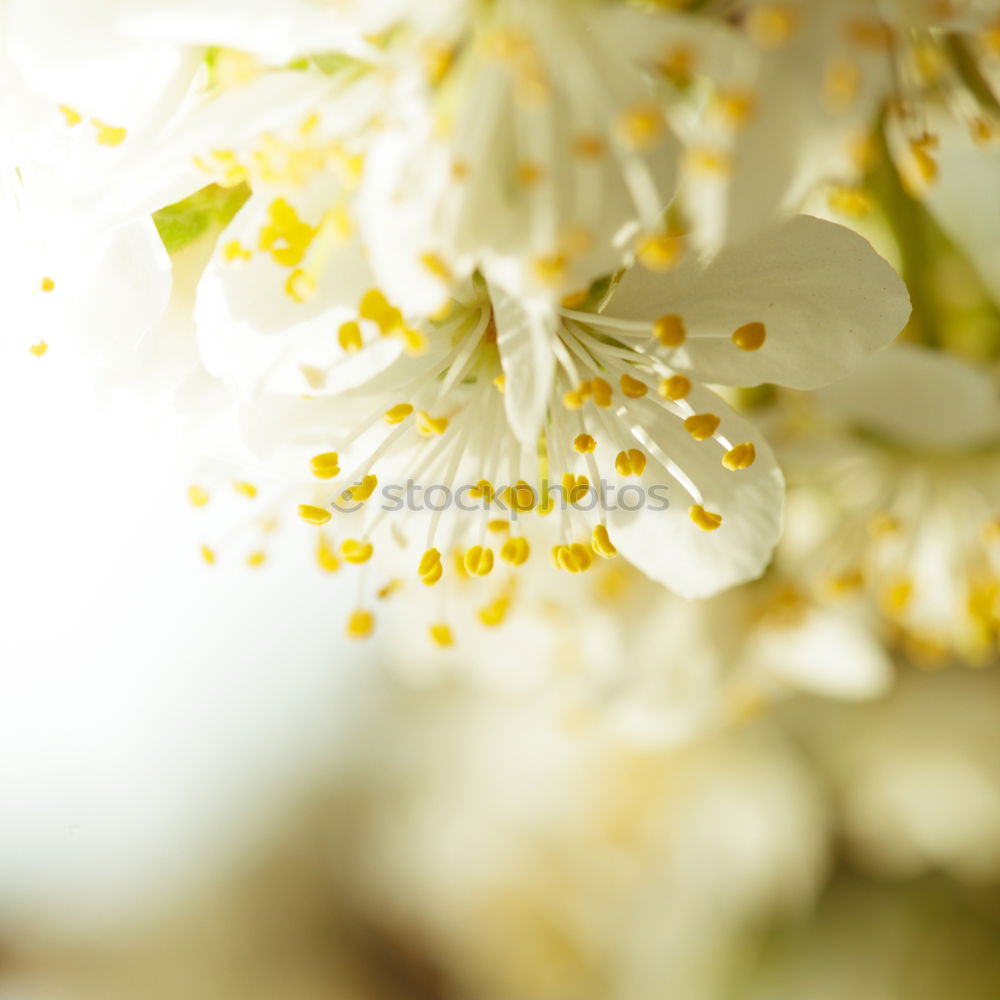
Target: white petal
[
  {"x": 919, "y": 398},
  {"x": 665, "y": 544},
  {"x": 826, "y": 298},
  {"x": 525, "y": 341}
]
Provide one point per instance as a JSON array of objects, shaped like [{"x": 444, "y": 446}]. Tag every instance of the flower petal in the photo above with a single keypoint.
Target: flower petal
[{"x": 826, "y": 299}]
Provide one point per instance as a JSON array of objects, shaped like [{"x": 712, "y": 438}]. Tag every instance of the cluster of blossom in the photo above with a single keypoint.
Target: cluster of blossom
[{"x": 519, "y": 244}]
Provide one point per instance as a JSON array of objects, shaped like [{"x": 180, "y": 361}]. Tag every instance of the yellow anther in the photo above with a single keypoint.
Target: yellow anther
[
  {"x": 495, "y": 613},
  {"x": 316, "y": 377},
  {"x": 741, "y": 456},
  {"x": 641, "y": 126},
  {"x": 584, "y": 444},
  {"x": 677, "y": 63},
  {"x": 925, "y": 165},
  {"x": 300, "y": 286},
  {"x": 256, "y": 559},
  {"x": 520, "y": 497},
  {"x": 497, "y": 526},
  {"x": 325, "y": 466},
  {"x": 660, "y": 252},
  {"x": 750, "y": 336},
  {"x": 882, "y": 525},
  {"x": 850, "y": 201},
  {"x": 670, "y": 331},
  {"x": 431, "y": 426},
  {"x": 413, "y": 340},
  {"x": 574, "y": 399},
  {"x": 841, "y": 84},
  {"x": 436, "y": 266},
  {"x": 398, "y": 413},
  {"x": 285, "y": 236},
  {"x": 588, "y": 146},
  {"x": 735, "y": 107},
  {"x": 389, "y": 589},
  {"x": 845, "y": 582},
  {"x": 706, "y": 161},
  {"x": 208, "y": 554},
  {"x": 47, "y": 285},
  {"x": 349, "y": 336},
  {"x": 326, "y": 556},
  {"x": 360, "y": 492},
  {"x": 309, "y": 124},
  {"x": 478, "y": 561},
  {"x": 601, "y": 543},
  {"x": 632, "y": 387},
  {"x": 630, "y": 463},
  {"x": 500, "y": 382},
  {"x": 515, "y": 551},
  {"x": 197, "y": 496},
  {"x": 549, "y": 269},
  {"x": 895, "y": 597},
  {"x": 40, "y": 349},
  {"x": 356, "y": 552},
  {"x": 574, "y": 558},
  {"x": 576, "y": 488},
  {"x": 441, "y": 636},
  {"x": 704, "y": 519},
  {"x": 313, "y": 515},
  {"x": 870, "y": 33},
  {"x": 676, "y": 387},
  {"x": 483, "y": 490},
  {"x": 702, "y": 425},
  {"x": 430, "y": 569},
  {"x": 72, "y": 118},
  {"x": 247, "y": 490},
  {"x": 529, "y": 173},
  {"x": 360, "y": 624},
  {"x": 108, "y": 135},
  {"x": 602, "y": 392},
  {"x": 235, "y": 253},
  {"x": 771, "y": 25}
]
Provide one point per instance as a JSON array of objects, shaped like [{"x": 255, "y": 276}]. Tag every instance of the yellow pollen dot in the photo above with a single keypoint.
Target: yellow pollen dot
[
  {"x": 708, "y": 162},
  {"x": 430, "y": 426},
  {"x": 895, "y": 597},
  {"x": 841, "y": 84},
  {"x": 574, "y": 399},
  {"x": 309, "y": 124},
  {"x": 356, "y": 552},
  {"x": 313, "y": 515},
  {"x": 500, "y": 382},
  {"x": 704, "y": 519},
  {"x": 398, "y": 413},
  {"x": 584, "y": 444},
  {"x": 40, "y": 349},
  {"x": 750, "y": 336},
  {"x": 574, "y": 558},
  {"x": 300, "y": 286},
  {"x": 845, "y": 582},
  {"x": 742, "y": 456},
  {"x": 925, "y": 166},
  {"x": 436, "y": 266},
  {"x": 235, "y": 253},
  {"x": 576, "y": 488},
  {"x": 640, "y": 127},
  {"x": 360, "y": 492},
  {"x": 498, "y": 527},
  {"x": 108, "y": 135},
  {"x": 285, "y": 236},
  {"x": 483, "y": 490},
  {"x": 849, "y": 201},
  {"x": 632, "y": 387},
  {"x": 677, "y": 64},
  {"x": 676, "y": 387},
  {"x": 602, "y": 392},
  {"x": 870, "y": 33},
  {"x": 47, "y": 285},
  {"x": 494, "y": 614},
  {"x": 71, "y": 117},
  {"x": 326, "y": 557},
  {"x": 529, "y": 173},
  {"x": 670, "y": 331},
  {"x": 478, "y": 561},
  {"x": 197, "y": 496},
  {"x": 441, "y": 636},
  {"x": 601, "y": 543},
  {"x": 437, "y": 58},
  {"x": 360, "y": 624},
  {"x": 549, "y": 269},
  {"x": 882, "y": 525},
  {"x": 430, "y": 568},
  {"x": 515, "y": 551},
  {"x": 325, "y": 466},
  {"x": 256, "y": 559},
  {"x": 575, "y": 299},
  {"x": 660, "y": 252},
  {"x": 735, "y": 107},
  {"x": 208, "y": 555},
  {"x": 588, "y": 146},
  {"x": 771, "y": 25},
  {"x": 702, "y": 426},
  {"x": 630, "y": 463},
  {"x": 459, "y": 170},
  {"x": 247, "y": 490},
  {"x": 349, "y": 337}
]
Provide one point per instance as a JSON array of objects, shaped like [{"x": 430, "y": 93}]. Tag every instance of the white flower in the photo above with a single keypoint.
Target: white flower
[
  {"x": 515, "y": 403},
  {"x": 896, "y": 494}
]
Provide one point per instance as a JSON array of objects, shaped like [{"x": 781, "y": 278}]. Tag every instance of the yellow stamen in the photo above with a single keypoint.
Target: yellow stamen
[
  {"x": 398, "y": 413},
  {"x": 430, "y": 568},
  {"x": 71, "y": 117},
  {"x": 326, "y": 556},
  {"x": 601, "y": 543},
  {"x": 197, "y": 496},
  {"x": 349, "y": 336},
  {"x": 40, "y": 349},
  {"x": 515, "y": 551},
  {"x": 430, "y": 426},
  {"x": 208, "y": 554},
  {"x": 495, "y": 613},
  {"x": 48, "y": 285},
  {"x": 478, "y": 561},
  {"x": 702, "y": 425},
  {"x": 584, "y": 444},
  {"x": 704, "y": 519},
  {"x": 325, "y": 466},
  {"x": 630, "y": 463},
  {"x": 676, "y": 387},
  {"x": 441, "y": 636},
  {"x": 771, "y": 25},
  {"x": 750, "y": 336},
  {"x": 670, "y": 331},
  {"x": 741, "y": 456},
  {"x": 247, "y": 490},
  {"x": 256, "y": 559},
  {"x": 632, "y": 387},
  {"x": 313, "y": 515},
  {"x": 360, "y": 624},
  {"x": 361, "y": 491},
  {"x": 602, "y": 392},
  {"x": 356, "y": 552},
  {"x": 108, "y": 135},
  {"x": 660, "y": 252},
  {"x": 640, "y": 127}
]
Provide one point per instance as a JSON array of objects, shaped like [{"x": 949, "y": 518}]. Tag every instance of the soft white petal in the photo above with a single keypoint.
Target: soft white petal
[{"x": 825, "y": 297}]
